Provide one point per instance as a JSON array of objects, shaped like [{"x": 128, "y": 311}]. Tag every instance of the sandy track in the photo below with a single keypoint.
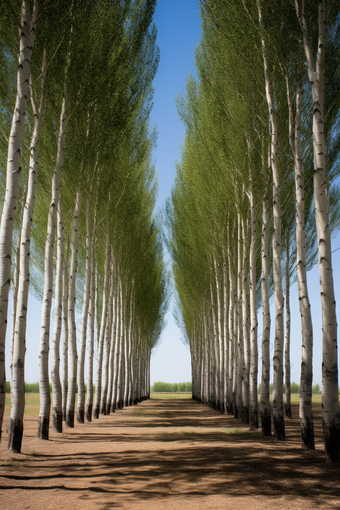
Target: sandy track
[{"x": 166, "y": 454}]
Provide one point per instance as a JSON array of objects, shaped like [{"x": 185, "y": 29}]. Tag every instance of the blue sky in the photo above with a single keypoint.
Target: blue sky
[{"x": 179, "y": 29}]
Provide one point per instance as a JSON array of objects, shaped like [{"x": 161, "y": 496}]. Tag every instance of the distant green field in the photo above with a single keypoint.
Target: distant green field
[
  {"x": 295, "y": 398},
  {"x": 171, "y": 395}
]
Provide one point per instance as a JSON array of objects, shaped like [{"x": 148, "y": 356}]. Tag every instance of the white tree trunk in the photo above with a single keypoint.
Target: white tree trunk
[
  {"x": 226, "y": 313},
  {"x": 305, "y": 408},
  {"x": 219, "y": 329},
  {"x": 113, "y": 343},
  {"x": 72, "y": 327},
  {"x": 278, "y": 415},
  {"x": 27, "y": 35},
  {"x": 288, "y": 410},
  {"x": 58, "y": 319},
  {"x": 45, "y": 400},
  {"x": 107, "y": 343},
  {"x": 253, "y": 412},
  {"x": 89, "y": 399},
  {"x": 85, "y": 313},
  {"x": 330, "y": 397},
  {"x": 245, "y": 325},
  {"x": 266, "y": 320},
  {"x": 239, "y": 318},
  {"x": 101, "y": 338},
  {"x": 15, "y": 427},
  {"x": 65, "y": 339}
]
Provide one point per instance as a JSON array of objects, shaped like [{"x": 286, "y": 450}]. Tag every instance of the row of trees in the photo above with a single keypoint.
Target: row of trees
[
  {"x": 263, "y": 115},
  {"x": 82, "y": 92}
]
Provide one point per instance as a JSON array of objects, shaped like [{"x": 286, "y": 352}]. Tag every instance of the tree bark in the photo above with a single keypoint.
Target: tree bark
[
  {"x": 45, "y": 399},
  {"x": 27, "y": 30},
  {"x": 330, "y": 397},
  {"x": 85, "y": 313},
  {"x": 72, "y": 328}
]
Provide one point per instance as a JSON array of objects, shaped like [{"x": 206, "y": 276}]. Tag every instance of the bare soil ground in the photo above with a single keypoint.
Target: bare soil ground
[{"x": 166, "y": 454}]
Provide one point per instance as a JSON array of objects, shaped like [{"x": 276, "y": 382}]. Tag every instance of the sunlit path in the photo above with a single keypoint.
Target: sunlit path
[{"x": 165, "y": 454}]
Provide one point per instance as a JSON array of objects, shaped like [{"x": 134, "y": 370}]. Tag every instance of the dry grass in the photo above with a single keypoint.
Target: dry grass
[{"x": 176, "y": 395}]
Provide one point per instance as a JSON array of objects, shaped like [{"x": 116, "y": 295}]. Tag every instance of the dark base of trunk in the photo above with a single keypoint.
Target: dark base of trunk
[
  {"x": 126, "y": 403},
  {"x": 254, "y": 419},
  {"x": 108, "y": 409},
  {"x": 96, "y": 413},
  {"x": 135, "y": 402},
  {"x": 229, "y": 408},
  {"x": 43, "y": 427},
  {"x": 288, "y": 410},
  {"x": 113, "y": 407},
  {"x": 64, "y": 415},
  {"x": 307, "y": 434},
  {"x": 15, "y": 432},
  {"x": 332, "y": 442},
  {"x": 57, "y": 422},
  {"x": 120, "y": 405},
  {"x": 88, "y": 413},
  {"x": 103, "y": 410},
  {"x": 279, "y": 427},
  {"x": 80, "y": 416},
  {"x": 236, "y": 412},
  {"x": 245, "y": 415},
  {"x": 266, "y": 424},
  {"x": 222, "y": 408},
  {"x": 70, "y": 419}
]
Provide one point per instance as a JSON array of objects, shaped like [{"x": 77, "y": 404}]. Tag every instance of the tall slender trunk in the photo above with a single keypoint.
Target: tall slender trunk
[
  {"x": 85, "y": 313},
  {"x": 253, "y": 414},
  {"x": 288, "y": 409},
  {"x": 44, "y": 390},
  {"x": 245, "y": 326},
  {"x": 102, "y": 331},
  {"x": 278, "y": 415},
  {"x": 72, "y": 327},
  {"x": 107, "y": 344},
  {"x": 58, "y": 319},
  {"x": 15, "y": 427},
  {"x": 231, "y": 337},
  {"x": 305, "y": 408},
  {"x": 240, "y": 339},
  {"x": 226, "y": 312},
  {"x": 89, "y": 399},
  {"x": 27, "y": 34},
  {"x": 117, "y": 349},
  {"x": 330, "y": 397},
  {"x": 113, "y": 344},
  {"x": 120, "y": 351},
  {"x": 65, "y": 340},
  {"x": 266, "y": 320}
]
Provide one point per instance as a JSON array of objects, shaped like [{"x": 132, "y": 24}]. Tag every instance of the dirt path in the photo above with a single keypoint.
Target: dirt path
[{"x": 166, "y": 454}]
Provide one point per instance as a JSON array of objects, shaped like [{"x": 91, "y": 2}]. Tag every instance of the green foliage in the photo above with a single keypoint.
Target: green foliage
[
  {"x": 294, "y": 387},
  {"x": 33, "y": 387},
  {"x": 316, "y": 389},
  {"x": 171, "y": 387}
]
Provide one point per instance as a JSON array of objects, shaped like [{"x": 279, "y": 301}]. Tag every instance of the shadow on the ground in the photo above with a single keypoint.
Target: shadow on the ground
[{"x": 213, "y": 454}]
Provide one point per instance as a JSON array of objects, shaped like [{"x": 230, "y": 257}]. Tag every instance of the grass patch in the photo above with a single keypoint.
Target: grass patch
[
  {"x": 295, "y": 398},
  {"x": 244, "y": 432},
  {"x": 170, "y": 395}
]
